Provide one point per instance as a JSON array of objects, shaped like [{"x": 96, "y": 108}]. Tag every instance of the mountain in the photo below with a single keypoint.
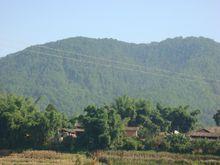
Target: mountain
[{"x": 75, "y": 72}]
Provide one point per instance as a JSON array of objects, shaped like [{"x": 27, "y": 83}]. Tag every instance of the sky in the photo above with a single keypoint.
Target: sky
[{"x": 25, "y": 22}]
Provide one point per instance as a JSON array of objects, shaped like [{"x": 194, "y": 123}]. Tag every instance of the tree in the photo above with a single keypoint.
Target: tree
[
  {"x": 178, "y": 143},
  {"x": 181, "y": 119},
  {"x": 125, "y": 107},
  {"x": 140, "y": 112},
  {"x": 103, "y": 128},
  {"x": 116, "y": 127},
  {"x": 23, "y": 125},
  {"x": 20, "y": 121},
  {"x": 54, "y": 120},
  {"x": 216, "y": 117},
  {"x": 95, "y": 123}
]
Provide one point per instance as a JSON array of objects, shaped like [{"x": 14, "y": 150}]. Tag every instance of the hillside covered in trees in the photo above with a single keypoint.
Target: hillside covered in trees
[{"x": 75, "y": 72}]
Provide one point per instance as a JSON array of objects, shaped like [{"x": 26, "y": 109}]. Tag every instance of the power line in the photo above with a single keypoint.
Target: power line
[
  {"x": 121, "y": 68},
  {"x": 129, "y": 64},
  {"x": 124, "y": 63},
  {"x": 190, "y": 77}
]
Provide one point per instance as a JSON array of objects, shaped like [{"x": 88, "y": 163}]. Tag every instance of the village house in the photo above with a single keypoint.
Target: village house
[
  {"x": 69, "y": 132},
  {"x": 211, "y": 133},
  {"x": 129, "y": 132}
]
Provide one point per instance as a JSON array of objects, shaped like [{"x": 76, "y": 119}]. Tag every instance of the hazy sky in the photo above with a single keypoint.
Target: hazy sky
[{"x": 28, "y": 22}]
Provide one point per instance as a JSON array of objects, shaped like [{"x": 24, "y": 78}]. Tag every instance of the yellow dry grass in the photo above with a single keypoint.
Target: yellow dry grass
[
  {"x": 152, "y": 157},
  {"x": 45, "y": 158}
]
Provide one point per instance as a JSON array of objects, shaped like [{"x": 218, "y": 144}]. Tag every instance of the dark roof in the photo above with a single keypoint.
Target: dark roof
[{"x": 206, "y": 132}]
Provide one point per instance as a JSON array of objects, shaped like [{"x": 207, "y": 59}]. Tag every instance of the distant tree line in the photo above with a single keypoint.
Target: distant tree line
[{"x": 24, "y": 125}]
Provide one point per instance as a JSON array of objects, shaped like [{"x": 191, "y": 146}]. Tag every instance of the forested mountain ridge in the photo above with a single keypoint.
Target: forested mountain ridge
[{"x": 75, "y": 72}]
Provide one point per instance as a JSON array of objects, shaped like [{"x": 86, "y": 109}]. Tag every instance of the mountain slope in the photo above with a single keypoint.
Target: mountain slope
[{"x": 75, "y": 72}]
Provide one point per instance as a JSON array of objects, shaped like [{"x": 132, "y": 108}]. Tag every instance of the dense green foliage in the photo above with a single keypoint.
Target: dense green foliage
[
  {"x": 104, "y": 126},
  {"x": 179, "y": 143},
  {"x": 130, "y": 143},
  {"x": 23, "y": 125},
  {"x": 216, "y": 117},
  {"x": 175, "y": 72},
  {"x": 155, "y": 119}
]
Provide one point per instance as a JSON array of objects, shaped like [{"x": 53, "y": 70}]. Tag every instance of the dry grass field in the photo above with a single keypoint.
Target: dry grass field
[
  {"x": 152, "y": 157},
  {"x": 106, "y": 157},
  {"x": 45, "y": 158}
]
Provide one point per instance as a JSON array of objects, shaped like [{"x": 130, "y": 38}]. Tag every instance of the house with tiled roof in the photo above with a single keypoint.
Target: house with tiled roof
[{"x": 211, "y": 133}]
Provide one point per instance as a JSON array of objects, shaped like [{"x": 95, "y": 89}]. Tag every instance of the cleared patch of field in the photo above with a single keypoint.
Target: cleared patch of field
[
  {"x": 45, "y": 158},
  {"x": 152, "y": 157}
]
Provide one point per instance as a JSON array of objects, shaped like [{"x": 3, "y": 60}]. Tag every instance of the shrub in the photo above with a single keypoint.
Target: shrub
[
  {"x": 69, "y": 143},
  {"x": 206, "y": 146},
  {"x": 131, "y": 144},
  {"x": 158, "y": 143},
  {"x": 178, "y": 143}
]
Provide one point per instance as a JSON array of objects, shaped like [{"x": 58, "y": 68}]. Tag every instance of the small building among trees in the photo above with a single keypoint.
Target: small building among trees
[
  {"x": 211, "y": 133},
  {"x": 129, "y": 132}
]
